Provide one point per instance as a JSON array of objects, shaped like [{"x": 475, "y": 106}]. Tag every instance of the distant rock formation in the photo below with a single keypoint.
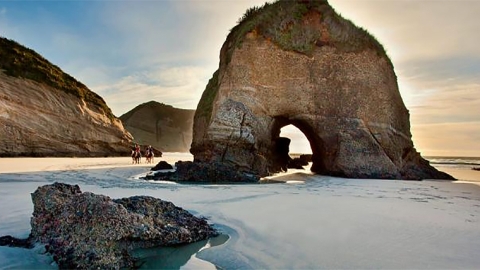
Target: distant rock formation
[
  {"x": 89, "y": 231},
  {"x": 300, "y": 63},
  {"x": 46, "y": 112},
  {"x": 162, "y": 126}
]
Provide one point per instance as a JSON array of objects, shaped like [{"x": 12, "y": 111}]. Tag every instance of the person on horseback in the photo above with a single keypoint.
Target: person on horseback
[
  {"x": 136, "y": 155},
  {"x": 149, "y": 154},
  {"x": 149, "y": 150},
  {"x": 137, "y": 148}
]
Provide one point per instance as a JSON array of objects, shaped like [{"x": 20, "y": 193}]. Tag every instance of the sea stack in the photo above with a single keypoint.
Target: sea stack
[
  {"x": 300, "y": 63},
  {"x": 46, "y": 112}
]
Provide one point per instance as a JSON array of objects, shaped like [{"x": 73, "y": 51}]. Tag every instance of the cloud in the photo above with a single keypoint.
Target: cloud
[
  {"x": 448, "y": 139},
  {"x": 418, "y": 29},
  {"x": 179, "y": 86},
  {"x": 442, "y": 90},
  {"x": 163, "y": 32},
  {"x": 153, "y": 32},
  {"x": 169, "y": 50}
]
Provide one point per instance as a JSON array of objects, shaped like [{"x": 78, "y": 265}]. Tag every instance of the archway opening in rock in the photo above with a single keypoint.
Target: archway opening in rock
[
  {"x": 299, "y": 143},
  {"x": 302, "y": 133}
]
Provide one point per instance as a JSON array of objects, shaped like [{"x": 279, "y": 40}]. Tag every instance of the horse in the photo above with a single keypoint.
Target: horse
[
  {"x": 150, "y": 156},
  {"x": 136, "y": 157}
]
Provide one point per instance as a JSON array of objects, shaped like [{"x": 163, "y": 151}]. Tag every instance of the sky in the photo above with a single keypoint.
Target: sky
[{"x": 135, "y": 51}]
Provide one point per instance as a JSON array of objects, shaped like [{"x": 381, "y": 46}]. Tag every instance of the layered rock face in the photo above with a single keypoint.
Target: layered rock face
[
  {"x": 299, "y": 63},
  {"x": 89, "y": 231},
  {"x": 162, "y": 126},
  {"x": 45, "y": 112}
]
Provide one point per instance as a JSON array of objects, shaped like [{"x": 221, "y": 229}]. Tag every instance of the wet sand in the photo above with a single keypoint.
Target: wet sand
[{"x": 311, "y": 221}]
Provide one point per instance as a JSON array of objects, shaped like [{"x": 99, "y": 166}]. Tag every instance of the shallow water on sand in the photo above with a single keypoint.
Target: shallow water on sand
[{"x": 182, "y": 256}]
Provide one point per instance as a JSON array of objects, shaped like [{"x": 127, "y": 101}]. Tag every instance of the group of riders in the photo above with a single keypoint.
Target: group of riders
[{"x": 137, "y": 154}]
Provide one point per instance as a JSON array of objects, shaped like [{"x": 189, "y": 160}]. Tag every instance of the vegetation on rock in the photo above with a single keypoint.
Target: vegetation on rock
[
  {"x": 284, "y": 23},
  {"x": 205, "y": 106},
  {"x": 21, "y": 62}
]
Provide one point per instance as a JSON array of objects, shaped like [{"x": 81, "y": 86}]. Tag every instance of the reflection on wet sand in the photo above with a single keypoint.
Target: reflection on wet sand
[{"x": 177, "y": 256}]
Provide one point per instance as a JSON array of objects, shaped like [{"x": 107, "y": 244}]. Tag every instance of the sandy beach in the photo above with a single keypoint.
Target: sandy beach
[{"x": 309, "y": 221}]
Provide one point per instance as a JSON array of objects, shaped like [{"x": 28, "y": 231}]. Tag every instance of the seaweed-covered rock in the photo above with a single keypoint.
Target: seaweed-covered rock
[
  {"x": 88, "y": 231},
  {"x": 162, "y": 165},
  {"x": 306, "y": 158},
  {"x": 296, "y": 163},
  {"x": 188, "y": 171}
]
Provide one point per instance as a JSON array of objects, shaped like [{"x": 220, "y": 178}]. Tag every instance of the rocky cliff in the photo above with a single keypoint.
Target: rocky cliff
[
  {"x": 166, "y": 128},
  {"x": 300, "y": 63},
  {"x": 46, "y": 112}
]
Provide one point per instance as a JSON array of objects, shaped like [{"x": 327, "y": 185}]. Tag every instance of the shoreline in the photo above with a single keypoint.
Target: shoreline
[
  {"x": 39, "y": 164},
  {"x": 462, "y": 175}
]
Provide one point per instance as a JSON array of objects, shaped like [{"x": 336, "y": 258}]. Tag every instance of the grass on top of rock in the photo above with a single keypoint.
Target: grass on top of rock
[
  {"x": 205, "y": 106},
  {"x": 283, "y": 22},
  {"x": 21, "y": 62}
]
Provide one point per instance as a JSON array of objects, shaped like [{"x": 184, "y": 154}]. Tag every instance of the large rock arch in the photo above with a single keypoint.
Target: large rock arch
[{"x": 341, "y": 92}]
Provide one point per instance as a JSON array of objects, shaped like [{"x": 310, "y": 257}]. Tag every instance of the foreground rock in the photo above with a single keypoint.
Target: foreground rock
[
  {"x": 46, "y": 112},
  {"x": 88, "y": 231},
  {"x": 300, "y": 63}
]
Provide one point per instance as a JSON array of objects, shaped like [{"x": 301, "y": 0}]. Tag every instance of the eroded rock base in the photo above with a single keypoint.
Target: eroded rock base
[{"x": 208, "y": 172}]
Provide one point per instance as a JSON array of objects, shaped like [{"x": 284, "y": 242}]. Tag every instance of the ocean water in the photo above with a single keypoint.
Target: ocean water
[{"x": 466, "y": 163}]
